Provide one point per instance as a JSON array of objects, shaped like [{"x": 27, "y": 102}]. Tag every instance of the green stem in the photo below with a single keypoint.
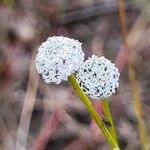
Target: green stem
[
  {"x": 93, "y": 112},
  {"x": 107, "y": 113}
]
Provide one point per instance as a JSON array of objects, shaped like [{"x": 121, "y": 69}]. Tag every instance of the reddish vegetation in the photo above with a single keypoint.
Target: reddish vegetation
[{"x": 24, "y": 25}]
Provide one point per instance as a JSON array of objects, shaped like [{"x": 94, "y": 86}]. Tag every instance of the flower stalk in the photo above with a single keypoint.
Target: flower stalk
[
  {"x": 93, "y": 112},
  {"x": 107, "y": 113}
]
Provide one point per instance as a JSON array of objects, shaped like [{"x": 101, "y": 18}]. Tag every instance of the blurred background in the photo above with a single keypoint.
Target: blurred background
[{"x": 37, "y": 116}]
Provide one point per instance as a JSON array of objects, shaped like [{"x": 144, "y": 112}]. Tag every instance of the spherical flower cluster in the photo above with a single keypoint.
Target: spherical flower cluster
[
  {"x": 59, "y": 57},
  {"x": 98, "y": 77}
]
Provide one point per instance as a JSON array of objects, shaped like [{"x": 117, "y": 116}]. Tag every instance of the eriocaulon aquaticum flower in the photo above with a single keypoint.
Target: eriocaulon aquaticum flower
[
  {"x": 58, "y": 57},
  {"x": 98, "y": 77}
]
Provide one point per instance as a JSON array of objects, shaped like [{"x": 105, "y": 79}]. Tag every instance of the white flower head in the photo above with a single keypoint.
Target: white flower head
[
  {"x": 98, "y": 77},
  {"x": 59, "y": 57}
]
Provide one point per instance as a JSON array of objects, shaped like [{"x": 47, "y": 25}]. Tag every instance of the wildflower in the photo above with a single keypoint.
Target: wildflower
[
  {"x": 59, "y": 57},
  {"x": 98, "y": 77}
]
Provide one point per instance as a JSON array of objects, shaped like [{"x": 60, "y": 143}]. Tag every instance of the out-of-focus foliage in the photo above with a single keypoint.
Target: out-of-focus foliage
[{"x": 24, "y": 25}]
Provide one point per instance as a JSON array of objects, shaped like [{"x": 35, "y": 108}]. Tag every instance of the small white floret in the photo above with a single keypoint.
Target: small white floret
[
  {"x": 98, "y": 77},
  {"x": 59, "y": 57}
]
